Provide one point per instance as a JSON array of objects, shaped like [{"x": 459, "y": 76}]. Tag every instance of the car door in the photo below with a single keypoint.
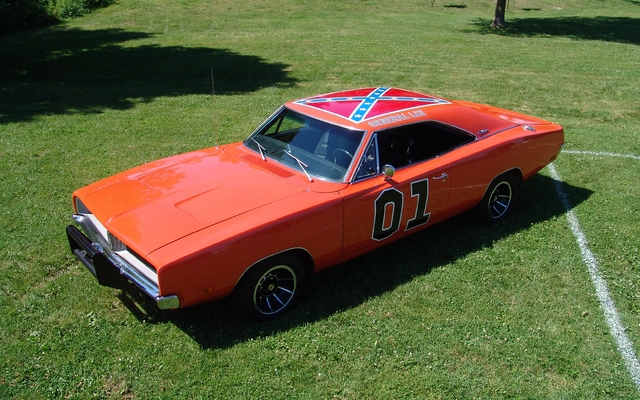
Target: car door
[{"x": 379, "y": 209}]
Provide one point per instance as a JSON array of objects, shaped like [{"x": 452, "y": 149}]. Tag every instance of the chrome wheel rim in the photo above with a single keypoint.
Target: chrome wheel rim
[
  {"x": 275, "y": 289},
  {"x": 500, "y": 200}
]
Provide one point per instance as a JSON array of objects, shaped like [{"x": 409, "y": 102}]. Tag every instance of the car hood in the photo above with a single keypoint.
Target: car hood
[{"x": 158, "y": 203}]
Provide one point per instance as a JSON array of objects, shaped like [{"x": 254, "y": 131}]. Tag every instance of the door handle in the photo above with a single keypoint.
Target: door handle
[{"x": 443, "y": 176}]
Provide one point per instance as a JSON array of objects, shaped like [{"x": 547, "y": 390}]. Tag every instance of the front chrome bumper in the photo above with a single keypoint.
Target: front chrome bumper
[{"x": 113, "y": 268}]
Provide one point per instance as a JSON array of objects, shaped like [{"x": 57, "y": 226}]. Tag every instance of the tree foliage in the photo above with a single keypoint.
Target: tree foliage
[{"x": 20, "y": 14}]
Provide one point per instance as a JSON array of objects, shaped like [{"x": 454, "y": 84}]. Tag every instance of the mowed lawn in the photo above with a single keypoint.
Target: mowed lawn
[{"x": 457, "y": 311}]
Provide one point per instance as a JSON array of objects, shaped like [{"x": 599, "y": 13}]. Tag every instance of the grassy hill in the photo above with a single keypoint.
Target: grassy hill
[{"x": 458, "y": 311}]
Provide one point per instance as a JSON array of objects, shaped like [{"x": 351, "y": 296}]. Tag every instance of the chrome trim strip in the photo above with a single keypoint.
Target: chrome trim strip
[
  {"x": 128, "y": 264},
  {"x": 97, "y": 233}
]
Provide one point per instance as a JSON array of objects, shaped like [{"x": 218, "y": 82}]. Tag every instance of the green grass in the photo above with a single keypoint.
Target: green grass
[{"x": 458, "y": 311}]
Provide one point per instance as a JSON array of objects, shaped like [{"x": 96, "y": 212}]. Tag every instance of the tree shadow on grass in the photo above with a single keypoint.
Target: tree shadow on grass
[
  {"x": 216, "y": 325},
  {"x": 608, "y": 29},
  {"x": 60, "y": 71}
]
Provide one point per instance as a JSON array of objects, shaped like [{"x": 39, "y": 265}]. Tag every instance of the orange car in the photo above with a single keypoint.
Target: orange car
[{"x": 323, "y": 180}]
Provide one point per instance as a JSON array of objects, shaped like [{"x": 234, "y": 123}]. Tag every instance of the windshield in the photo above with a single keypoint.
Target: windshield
[{"x": 317, "y": 148}]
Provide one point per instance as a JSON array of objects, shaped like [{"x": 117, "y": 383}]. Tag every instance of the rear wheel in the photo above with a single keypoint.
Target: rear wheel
[
  {"x": 498, "y": 200},
  {"x": 270, "y": 288}
]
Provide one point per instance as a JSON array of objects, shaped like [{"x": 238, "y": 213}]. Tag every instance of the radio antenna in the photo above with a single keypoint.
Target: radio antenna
[{"x": 213, "y": 94}]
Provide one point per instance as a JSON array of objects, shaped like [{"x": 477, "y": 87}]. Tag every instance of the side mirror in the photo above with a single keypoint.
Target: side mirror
[{"x": 388, "y": 171}]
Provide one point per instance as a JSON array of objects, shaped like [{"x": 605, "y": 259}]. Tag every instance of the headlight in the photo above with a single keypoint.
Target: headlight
[{"x": 80, "y": 207}]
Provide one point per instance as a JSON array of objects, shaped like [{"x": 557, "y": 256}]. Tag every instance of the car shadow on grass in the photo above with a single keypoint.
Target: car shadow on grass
[
  {"x": 608, "y": 29},
  {"x": 68, "y": 70},
  {"x": 346, "y": 286}
]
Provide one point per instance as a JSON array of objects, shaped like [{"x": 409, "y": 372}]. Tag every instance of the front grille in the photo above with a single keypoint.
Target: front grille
[{"x": 116, "y": 244}]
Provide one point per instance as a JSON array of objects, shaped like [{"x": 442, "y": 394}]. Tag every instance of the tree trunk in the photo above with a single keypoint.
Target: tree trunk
[{"x": 498, "y": 19}]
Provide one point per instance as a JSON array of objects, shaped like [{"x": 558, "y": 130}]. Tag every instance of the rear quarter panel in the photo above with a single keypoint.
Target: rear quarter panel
[{"x": 474, "y": 166}]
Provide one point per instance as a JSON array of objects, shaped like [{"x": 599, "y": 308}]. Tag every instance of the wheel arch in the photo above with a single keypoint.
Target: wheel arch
[
  {"x": 515, "y": 172},
  {"x": 300, "y": 253},
  {"x": 514, "y": 178}
]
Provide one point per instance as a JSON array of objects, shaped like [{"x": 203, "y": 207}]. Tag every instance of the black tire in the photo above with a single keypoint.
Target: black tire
[
  {"x": 497, "y": 202},
  {"x": 270, "y": 288}
]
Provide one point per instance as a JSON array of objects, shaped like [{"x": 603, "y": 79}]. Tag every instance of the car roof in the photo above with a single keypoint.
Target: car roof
[
  {"x": 357, "y": 106},
  {"x": 376, "y": 108}
]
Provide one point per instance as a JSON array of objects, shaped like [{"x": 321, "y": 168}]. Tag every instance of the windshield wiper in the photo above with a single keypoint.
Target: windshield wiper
[
  {"x": 261, "y": 149},
  {"x": 302, "y": 165}
]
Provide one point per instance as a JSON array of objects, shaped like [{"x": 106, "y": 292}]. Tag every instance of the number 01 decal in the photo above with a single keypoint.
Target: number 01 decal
[{"x": 392, "y": 200}]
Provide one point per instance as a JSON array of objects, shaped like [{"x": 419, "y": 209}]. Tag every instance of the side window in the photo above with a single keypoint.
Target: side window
[
  {"x": 410, "y": 144},
  {"x": 369, "y": 165},
  {"x": 396, "y": 148}
]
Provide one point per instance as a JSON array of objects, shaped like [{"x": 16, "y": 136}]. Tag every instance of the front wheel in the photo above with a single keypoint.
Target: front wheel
[
  {"x": 498, "y": 200},
  {"x": 270, "y": 288}
]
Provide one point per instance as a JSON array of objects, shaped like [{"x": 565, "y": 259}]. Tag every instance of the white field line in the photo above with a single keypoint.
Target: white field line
[
  {"x": 601, "y": 154},
  {"x": 625, "y": 346}
]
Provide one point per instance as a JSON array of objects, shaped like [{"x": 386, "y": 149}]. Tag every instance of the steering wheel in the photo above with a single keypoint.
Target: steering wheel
[{"x": 340, "y": 152}]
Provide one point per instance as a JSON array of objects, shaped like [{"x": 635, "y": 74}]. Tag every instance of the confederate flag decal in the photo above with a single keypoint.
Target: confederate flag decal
[{"x": 363, "y": 104}]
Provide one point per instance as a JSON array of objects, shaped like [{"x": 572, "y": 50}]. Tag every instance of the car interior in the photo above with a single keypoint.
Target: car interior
[{"x": 409, "y": 144}]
